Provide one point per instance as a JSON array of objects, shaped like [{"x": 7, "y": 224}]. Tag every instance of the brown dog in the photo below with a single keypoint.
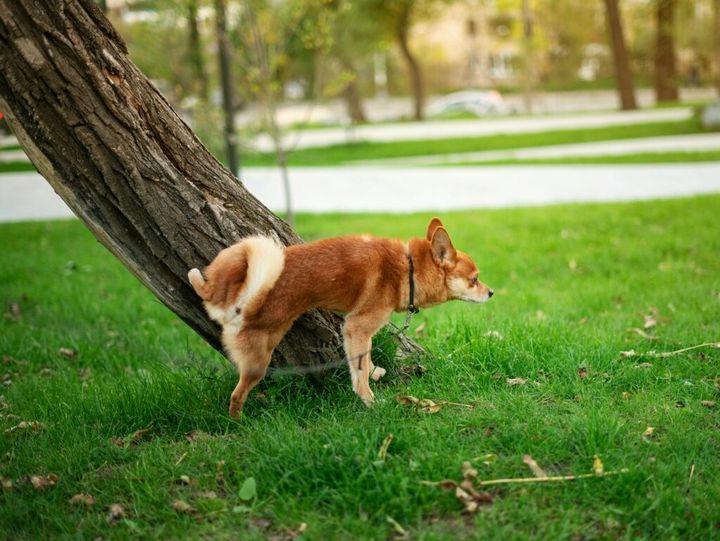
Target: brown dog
[{"x": 256, "y": 289}]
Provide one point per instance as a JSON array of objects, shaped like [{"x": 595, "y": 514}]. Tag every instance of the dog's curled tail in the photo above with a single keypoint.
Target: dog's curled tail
[{"x": 198, "y": 283}]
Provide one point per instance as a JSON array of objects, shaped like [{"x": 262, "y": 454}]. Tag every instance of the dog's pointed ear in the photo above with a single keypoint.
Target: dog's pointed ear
[
  {"x": 442, "y": 247},
  {"x": 432, "y": 226}
]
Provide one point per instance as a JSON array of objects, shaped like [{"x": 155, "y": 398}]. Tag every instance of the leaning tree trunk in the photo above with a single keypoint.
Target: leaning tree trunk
[
  {"x": 666, "y": 88},
  {"x": 716, "y": 31},
  {"x": 625, "y": 86},
  {"x": 124, "y": 162}
]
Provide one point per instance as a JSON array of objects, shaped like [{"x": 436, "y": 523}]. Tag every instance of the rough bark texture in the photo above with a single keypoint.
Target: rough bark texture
[
  {"x": 121, "y": 158},
  {"x": 625, "y": 86},
  {"x": 417, "y": 85},
  {"x": 666, "y": 88}
]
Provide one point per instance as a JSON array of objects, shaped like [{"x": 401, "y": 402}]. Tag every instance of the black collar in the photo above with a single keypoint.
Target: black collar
[{"x": 411, "y": 276}]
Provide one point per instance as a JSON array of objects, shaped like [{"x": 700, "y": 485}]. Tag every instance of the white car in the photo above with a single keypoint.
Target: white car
[{"x": 477, "y": 102}]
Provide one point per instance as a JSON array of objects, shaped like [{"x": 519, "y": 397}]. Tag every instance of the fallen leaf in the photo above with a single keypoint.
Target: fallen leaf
[
  {"x": 582, "y": 372},
  {"x": 425, "y": 404},
  {"x": 649, "y": 321},
  {"x": 297, "y": 532},
  {"x": 534, "y": 467},
  {"x": 68, "y": 353},
  {"x": 6, "y": 484},
  {"x": 598, "y": 466},
  {"x": 649, "y": 432},
  {"x": 185, "y": 480},
  {"x": 401, "y": 532},
  {"x": 708, "y": 403},
  {"x": 420, "y": 329},
  {"x": 25, "y": 426},
  {"x": 487, "y": 459},
  {"x": 494, "y": 334},
  {"x": 181, "y": 506},
  {"x": 209, "y": 495},
  {"x": 82, "y": 499},
  {"x": 468, "y": 471},
  {"x": 382, "y": 453},
  {"x": 116, "y": 513},
  {"x": 626, "y": 395},
  {"x": 197, "y": 435},
  {"x": 643, "y": 334},
  {"x": 516, "y": 381},
  {"x": 248, "y": 490},
  {"x": 40, "y": 482},
  {"x": 13, "y": 311},
  {"x": 626, "y": 354},
  {"x": 118, "y": 442},
  {"x": 139, "y": 435}
]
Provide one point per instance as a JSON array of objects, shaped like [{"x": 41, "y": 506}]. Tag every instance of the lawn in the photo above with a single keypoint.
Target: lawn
[
  {"x": 133, "y": 409},
  {"x": 351, "y": 152},
  {"x": 640, "y": 157}
]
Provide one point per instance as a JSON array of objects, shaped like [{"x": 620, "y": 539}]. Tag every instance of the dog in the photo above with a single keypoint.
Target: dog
[{"x": 257, "y": 288}]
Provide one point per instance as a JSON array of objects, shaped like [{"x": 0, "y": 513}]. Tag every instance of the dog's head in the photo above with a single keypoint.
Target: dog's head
[{"x": 460, "y": 271}]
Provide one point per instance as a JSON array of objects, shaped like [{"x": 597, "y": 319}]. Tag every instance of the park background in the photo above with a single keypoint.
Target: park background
[{"x": 570, "y": 147}]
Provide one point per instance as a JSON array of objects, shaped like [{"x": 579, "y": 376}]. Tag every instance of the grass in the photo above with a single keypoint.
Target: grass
[
  {"x": 16, "y": 167},
  {"x": 570, "y": 282},
  {"x": 349, "y": 152},
  {"x": 641, "y": 157}
]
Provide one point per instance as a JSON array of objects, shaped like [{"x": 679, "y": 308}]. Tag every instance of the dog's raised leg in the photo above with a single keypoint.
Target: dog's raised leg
[{"x": 358, "y": 332}]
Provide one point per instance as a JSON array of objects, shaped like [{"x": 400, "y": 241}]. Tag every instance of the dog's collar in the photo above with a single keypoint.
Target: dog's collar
[{"x": 412, "y": 309}]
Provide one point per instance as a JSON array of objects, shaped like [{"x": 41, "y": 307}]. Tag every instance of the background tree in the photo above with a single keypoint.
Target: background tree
[
  {"x": 666, "y": 86},
  {"x": 716, "y": 55},
  {"x": 110, "y": 145},
  {"x": 623, "y": 74},
  {"x": 196, "y": 58}
]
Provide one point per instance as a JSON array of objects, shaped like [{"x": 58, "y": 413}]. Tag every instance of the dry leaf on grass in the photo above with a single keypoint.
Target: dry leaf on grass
[
  {"x": 6, "y": 484},
  {"x": 516, "y": 381},
  {"x": 534, "y": 467},
  {"x": 582, "y": 372},
  {"x": 181, "y": 506},
  {"x": 115, "y": 513},
  {"x": 197, "y": 435},
  {"x": 468, "y": 471},
  {"x": 494, "y": 334},
  {"x": 429, "y": 406},
  {"x": 598, "y": 466},
  {"x": 382, "y": 453},
  {"x": 184, "y": 480},
  {"x": 708, "y": 403},
  {"x": 82, "y": 499},
  {"x": 401, "y": 533},
  {"x": 68, "y": 353},
  {"x": 420, "y": 330},
  {"x": 40, "y": 482},
  {"x": 26, "y": 426},
  {"x": 649, "y": 432}
]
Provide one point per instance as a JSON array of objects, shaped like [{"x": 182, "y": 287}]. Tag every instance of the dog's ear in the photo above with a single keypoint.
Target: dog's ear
[
  {"x": 442, "y": 247},
  {"x": 432, "y": 226}
]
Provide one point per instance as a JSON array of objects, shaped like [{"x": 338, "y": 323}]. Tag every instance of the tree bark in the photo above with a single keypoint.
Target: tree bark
[
  {"x": 623, "y": 74},
  {"x": 666, "y": 88},
  {"x": 121, "y": 158},
  {"x": 417, "y": 86}
]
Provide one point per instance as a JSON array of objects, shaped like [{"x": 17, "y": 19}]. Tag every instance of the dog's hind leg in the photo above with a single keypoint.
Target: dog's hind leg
[{"x": 251, "y": 353}]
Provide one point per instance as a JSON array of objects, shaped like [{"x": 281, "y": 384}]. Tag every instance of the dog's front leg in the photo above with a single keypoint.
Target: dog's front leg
[{"x": 358, "y": 332}]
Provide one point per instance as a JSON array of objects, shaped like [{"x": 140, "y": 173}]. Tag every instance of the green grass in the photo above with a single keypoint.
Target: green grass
[
  {"x": 15, "y": 167},
  {"x": 643, "y": 157},
  {"x": 312, "y": 449},
  {"x": 345, "y": 153}
]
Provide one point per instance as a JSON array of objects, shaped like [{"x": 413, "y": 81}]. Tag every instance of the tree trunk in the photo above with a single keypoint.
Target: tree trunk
[
  {"x": 665, "y": 76},
  {"x": 417, "y": 86},
  {"x": 110, "y": 145},
  {"x": 353, "y": 97},
  {"x": 195, "y": 54},
  {"x": 228, "y": 90},
  {"x": 717, "y": 46},
  {"x": 623, "y": 75}
]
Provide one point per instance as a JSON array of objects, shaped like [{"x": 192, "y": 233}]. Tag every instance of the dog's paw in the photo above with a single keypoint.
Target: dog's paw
[
  {"x": 377, "y": 373},
  {"x": 368, "y": 399}
]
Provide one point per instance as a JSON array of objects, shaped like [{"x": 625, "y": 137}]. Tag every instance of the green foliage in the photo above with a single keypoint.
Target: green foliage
[{"x": 571, "y": 283}]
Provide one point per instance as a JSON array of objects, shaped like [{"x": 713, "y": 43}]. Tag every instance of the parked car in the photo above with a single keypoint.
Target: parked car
[{"x": 476, "y": 102}]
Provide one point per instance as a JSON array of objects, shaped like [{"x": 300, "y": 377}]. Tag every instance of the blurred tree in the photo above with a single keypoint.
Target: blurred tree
[
  {"x": 228, "y": 89},
  {"x": 716, "y": 28},
  {"x": 403, "y": 14},
  {"x": 623, "y": 73},
  {"x": 195, "y": 50},
  {"x": 666, "y": 85}
]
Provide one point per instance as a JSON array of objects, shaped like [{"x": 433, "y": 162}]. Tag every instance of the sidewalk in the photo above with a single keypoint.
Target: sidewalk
[{"x": 27, "y": 196}]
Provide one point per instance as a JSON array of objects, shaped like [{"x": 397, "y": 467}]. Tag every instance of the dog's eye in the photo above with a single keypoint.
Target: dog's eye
[{"x": 473, "y": 282}]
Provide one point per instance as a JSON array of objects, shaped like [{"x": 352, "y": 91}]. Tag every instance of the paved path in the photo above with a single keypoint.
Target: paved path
[
  {"x": 619, "y": 147},
  {"x": 27, "y": 196},
  {"x": 443, "y": 129}
]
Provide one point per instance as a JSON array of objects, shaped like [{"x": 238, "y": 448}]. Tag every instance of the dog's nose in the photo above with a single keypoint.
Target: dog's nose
[{"x": 490, "y": 293}]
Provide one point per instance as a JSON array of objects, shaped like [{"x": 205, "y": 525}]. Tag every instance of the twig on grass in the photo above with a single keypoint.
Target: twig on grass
[
  {"x": 664, "y": 354},
  {"x": 448, "y": 482}
]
